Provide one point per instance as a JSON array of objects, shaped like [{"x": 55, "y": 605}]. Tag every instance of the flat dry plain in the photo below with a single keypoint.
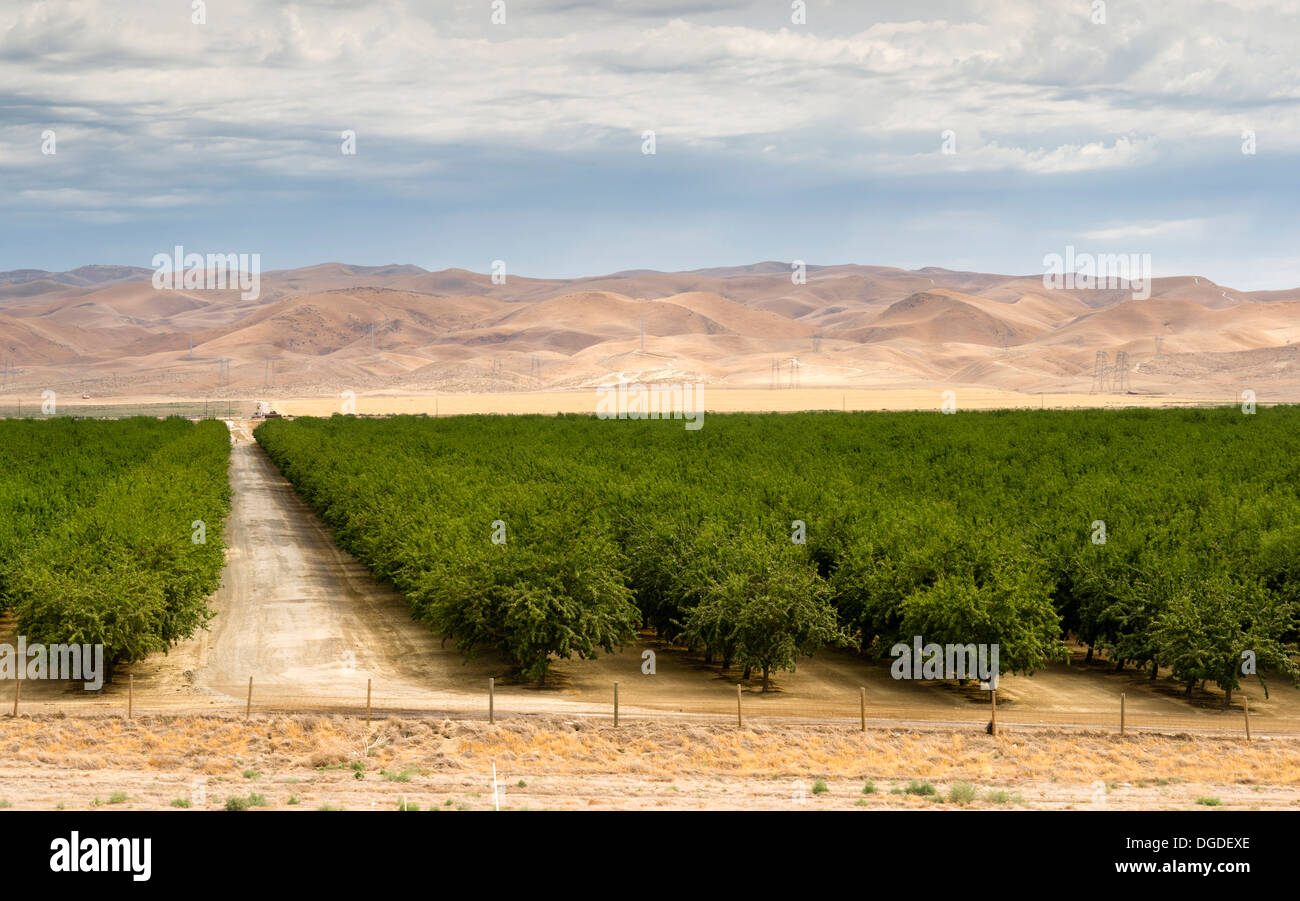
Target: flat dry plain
[
  {"x": 717, "y": 399},
  {"x": 310, "y": 762}
]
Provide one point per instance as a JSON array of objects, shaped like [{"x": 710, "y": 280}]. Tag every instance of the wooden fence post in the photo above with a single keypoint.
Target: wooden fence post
[
  {"x": 1245, "y": 706},
  {"x": 993, "y": 723},
  {"x": 615, "y": 705},
  {"x": 1122, "y": 698},
  {"x": 862, "y": 705},
  {"x": 18, "y": 686},
  {"x": 248, "y": 710},
  {"x": 492, "y": 699},
  {"x": 740, "y": 721},
  {"x": 130, "y": 696},
  {"x": 367, "y": 703}
]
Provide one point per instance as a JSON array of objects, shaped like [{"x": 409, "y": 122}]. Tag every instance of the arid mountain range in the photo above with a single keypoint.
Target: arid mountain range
[{"x": 104, "y": 331}]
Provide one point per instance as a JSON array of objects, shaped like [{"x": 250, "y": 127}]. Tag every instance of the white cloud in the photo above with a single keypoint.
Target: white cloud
[
  {"x": 146, "y": 103},
  {"x": 1169, "y": 229}
]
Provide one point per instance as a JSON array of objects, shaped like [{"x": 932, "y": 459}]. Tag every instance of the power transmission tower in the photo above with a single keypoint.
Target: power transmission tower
[
  {"x": 817, "y": 343},
  {"x": 776, "y": 374},
  {"x": 794, "y": 372},
  {"x": 1119, "y": 376},
  {"x": 1101, "y": 374},
  {"x": 496, "y": 375}
]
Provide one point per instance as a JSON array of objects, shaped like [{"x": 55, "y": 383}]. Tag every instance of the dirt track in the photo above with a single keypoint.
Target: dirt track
[{"x": 294, "y": 612}]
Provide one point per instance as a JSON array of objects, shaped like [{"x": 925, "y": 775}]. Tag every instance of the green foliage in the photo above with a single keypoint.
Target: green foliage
[
  {"x": 968, "y": 529},
  {"x": 96, "y": 530},
  {"x": 819, "y": 787},
  {"x": 1000, "y": 796},
  {"x": 961, "y": 793},
  {"x": 1207, "y": 625}
]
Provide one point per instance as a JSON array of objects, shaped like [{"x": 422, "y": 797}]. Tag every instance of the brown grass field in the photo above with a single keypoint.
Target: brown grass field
[{"x": 307, "y": 762}]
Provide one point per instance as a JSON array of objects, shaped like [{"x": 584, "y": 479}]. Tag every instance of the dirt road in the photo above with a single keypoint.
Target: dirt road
[{"x": 301, "y": 617}]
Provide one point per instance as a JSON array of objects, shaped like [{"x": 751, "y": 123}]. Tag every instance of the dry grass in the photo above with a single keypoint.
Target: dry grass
[{"x": 55, "y": 759}]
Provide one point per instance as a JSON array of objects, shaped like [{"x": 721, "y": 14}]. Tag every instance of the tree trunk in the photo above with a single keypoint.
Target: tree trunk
[
  {"x": 1155, "y": 669},
  {"x": 1190, "y": 685},
  {"x": 1227, "y": 698},
  {"x": 708, "y": 656},
  {"x": 1088, "y": 659},
  {"x": 766, "y": 670},
  {"x": 726, "y": 662},
  {"x": 1119, "y": 664},
  {"x": 745, "y": 676}
]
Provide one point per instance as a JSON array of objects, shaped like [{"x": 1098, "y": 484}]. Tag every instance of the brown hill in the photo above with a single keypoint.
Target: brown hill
[{"x": 401, "y": 328}]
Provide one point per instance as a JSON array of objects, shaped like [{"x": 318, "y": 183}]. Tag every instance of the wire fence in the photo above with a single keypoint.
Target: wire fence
[{"x": 741, "y": 709}]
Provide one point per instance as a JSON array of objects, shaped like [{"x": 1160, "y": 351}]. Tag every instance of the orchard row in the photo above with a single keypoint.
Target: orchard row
[
  {"x": 111, "y": 531},
  {"x": 1167, "y": 539}
]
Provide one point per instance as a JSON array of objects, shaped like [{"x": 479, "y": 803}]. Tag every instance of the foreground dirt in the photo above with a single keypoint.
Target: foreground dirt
[{"x": 309, "y": 762}]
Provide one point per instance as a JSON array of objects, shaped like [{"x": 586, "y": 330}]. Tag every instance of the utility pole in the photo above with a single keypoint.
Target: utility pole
[
  {"x": 1101, "y": 374},
  {"x": 1119, "y": 376}
]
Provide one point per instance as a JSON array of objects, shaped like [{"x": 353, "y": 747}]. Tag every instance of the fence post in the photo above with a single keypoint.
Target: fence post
[
  {"x": 993, "y": 723},
  {"x": 492, "y": 699},
  {"x": 248, "y": 710},
  {"x": 740, "y": 721},
  {"x": 1245, "y": 706},
  {"x": 18, "y": 686},
  {"x": 367, "y": 703},
  {"x": 130, "y": 696},
  {"x": 615, "y": 705},
  {"x": 1122, "y": 698},
  {"x": 862, "y": 705}
]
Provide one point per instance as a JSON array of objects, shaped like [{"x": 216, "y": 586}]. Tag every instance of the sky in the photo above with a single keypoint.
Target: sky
[{"x": 969, "y": 135}]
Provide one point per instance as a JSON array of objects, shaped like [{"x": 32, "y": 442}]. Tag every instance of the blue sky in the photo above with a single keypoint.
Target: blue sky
[{"x": 522, "y": 141}]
